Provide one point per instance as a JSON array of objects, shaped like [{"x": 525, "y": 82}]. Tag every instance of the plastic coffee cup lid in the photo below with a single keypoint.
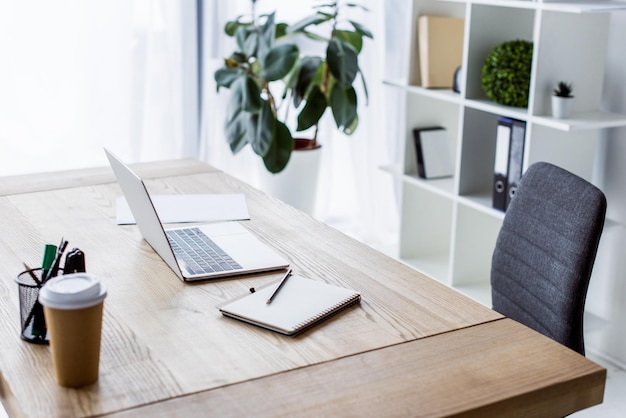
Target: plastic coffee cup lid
[{"x": 72, "y": 291}]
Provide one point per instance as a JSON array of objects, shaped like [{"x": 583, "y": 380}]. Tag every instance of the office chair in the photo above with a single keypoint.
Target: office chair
[{"x": 545, "y": 252}]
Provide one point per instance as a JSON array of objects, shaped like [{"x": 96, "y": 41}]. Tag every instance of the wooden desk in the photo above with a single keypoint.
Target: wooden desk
[{"x": 412, "y": 347}]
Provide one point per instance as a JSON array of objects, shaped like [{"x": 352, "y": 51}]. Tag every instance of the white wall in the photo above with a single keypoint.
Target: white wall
[{"x": 607, "y": 291}]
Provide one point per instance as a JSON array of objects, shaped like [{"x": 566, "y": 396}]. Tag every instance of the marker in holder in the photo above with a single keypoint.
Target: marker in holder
[{"x": 32, "y": 321}]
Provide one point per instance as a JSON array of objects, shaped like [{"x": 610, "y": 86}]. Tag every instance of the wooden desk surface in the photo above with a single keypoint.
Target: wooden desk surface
[{"x": 412, "y": 347}]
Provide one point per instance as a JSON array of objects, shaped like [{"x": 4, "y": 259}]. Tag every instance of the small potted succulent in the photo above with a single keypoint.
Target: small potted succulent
[{"x": 562, "y": 100}]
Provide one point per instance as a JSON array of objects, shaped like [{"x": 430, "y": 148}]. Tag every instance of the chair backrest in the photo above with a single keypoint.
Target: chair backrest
[{"x": 545, "y": 252}]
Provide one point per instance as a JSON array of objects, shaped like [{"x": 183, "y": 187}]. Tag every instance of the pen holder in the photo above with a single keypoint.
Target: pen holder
[{"x": 32, "y": 321}]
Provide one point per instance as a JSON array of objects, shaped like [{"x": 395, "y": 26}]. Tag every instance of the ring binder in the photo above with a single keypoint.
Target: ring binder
[
  {"x": 516, "y": 158},
  {"x": 501, "y": 163},
  {"x": 509, "y": 158}
]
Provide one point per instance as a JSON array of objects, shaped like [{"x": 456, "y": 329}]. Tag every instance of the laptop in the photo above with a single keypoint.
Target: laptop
[{"x": 199, "y": 252}]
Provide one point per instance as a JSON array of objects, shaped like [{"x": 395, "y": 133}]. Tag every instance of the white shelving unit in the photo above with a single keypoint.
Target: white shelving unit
[{"x": 448, "y": 228}]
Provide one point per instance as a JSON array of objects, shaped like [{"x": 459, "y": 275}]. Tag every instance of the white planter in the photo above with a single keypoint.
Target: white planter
[
  {"x": 297, "y": 183},
  {"x": 562, "y": 107}
]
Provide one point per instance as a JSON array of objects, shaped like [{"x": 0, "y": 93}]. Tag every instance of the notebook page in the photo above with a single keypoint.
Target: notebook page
[{"x": 299, "y": 302}]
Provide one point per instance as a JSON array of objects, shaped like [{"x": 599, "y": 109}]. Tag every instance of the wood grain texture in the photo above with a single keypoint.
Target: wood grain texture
[
  {"x": 75, "y": 178},
  {"x": 165, "y": 339},
  {"x": 494, "y": 369}
]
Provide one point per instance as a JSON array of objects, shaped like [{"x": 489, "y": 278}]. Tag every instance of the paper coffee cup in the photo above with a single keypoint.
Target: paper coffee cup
[{"x": 73, "y": 305}]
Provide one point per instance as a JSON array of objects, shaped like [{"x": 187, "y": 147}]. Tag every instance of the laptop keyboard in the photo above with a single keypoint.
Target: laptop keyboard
[{"x": 198, "y": 253}]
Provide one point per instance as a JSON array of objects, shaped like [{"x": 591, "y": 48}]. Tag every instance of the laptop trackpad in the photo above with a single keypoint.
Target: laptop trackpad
[{"x": 244, "y": 247}]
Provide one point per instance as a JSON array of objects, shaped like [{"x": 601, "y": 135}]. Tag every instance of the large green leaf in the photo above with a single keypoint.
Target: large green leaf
[
  {"x": 236, "y": 130},
  {"x": 251, "y": 96},
  {"x": 342, "y": 61},
  {"x": 362, "y": 29},
  {"x": 251, "y": 43},
  {"x": 309, "y": 66},
  {"x": 231, "y": 27},
  {"x": 235, "y": 100},
  {"x": 224, "y": 77},
  {"x": 353, "y": 38},
  {"x": 315, "y": 19},
  {"x": 279, "y": 61},
  {"x": 282, "y": 144},
  {"x": 236, "y": 118},
  {"x": 313, "y": 109},
  {"x": 240, "y": 37},
  {"x": 267, "y": 33},
  {"x": 265, "y": 124},
  {"x": 343, "y": 103}
]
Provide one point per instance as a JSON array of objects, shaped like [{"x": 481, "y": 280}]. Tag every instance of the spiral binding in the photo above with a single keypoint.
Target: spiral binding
[{"x": 333, "y": 310}]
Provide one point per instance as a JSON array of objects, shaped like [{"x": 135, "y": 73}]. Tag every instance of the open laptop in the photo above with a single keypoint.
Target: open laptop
[{"x": 226, "y": 248}]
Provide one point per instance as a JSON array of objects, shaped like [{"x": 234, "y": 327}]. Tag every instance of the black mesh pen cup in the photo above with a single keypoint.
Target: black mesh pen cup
[{"x": 32, "y": 321}]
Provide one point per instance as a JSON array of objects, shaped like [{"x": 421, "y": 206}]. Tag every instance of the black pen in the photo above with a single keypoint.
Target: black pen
[
  {"x": 282, "y": 282},
  {"x": 57, "y": 261}
]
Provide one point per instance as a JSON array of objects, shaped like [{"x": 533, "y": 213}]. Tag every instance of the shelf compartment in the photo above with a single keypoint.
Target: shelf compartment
[
  {"x": 474, "y": 242},
  {"x": 571, "y": 47},
  {"x": 477, "y": 153},
  {"x": 574, "y": 151},
  {"x": 424, "y": 111},
  {"x": 483, "y": 203},
  {"x": 433, "y": 8},
  {"x": 443, "y": 187},
  {"x": 491, "y": 26},
  {"x": 426, "y": 231}
]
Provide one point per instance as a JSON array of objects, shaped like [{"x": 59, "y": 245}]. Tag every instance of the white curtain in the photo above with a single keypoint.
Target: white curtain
[
  {"x": 353, "y": 194},
  {"x": 79, "y": 75}
]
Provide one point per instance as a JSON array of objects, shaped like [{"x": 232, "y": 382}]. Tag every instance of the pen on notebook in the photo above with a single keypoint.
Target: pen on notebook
[{"x": 282, "y": 282}]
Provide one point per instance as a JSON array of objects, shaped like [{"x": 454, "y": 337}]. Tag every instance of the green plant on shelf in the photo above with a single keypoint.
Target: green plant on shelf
[
  {"x": 506, "y": 73},
  {"x": 564, "y": 89}
]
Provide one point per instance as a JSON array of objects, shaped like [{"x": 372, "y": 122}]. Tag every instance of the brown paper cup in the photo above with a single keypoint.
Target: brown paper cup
[
  {"x": 73, "y": 306},
  {"x": 75, "y": 344}
]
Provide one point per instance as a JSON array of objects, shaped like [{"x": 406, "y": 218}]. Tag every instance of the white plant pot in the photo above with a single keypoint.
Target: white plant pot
[
  {"x": 562, "y": 107},
  {"x": 297, "y": 183}
]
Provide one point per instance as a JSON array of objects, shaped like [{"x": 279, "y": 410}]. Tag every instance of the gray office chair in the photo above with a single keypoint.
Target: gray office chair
[{"x": 545, "y": 251}]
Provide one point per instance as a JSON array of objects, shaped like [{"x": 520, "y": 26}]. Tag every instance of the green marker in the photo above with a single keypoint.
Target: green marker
[
  {"x": 49, "y": 253},
  {"x": 38, "y": 328}
]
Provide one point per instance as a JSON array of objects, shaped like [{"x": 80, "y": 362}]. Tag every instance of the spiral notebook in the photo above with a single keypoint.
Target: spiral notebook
[{"x": 300, "y": 304}]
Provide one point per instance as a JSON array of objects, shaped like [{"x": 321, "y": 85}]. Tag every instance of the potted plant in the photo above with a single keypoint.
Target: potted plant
[
  {"x": 562, "y": 100},
  {"x": 505, "y": 75},
  {"x": 270, "y": 79}
]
